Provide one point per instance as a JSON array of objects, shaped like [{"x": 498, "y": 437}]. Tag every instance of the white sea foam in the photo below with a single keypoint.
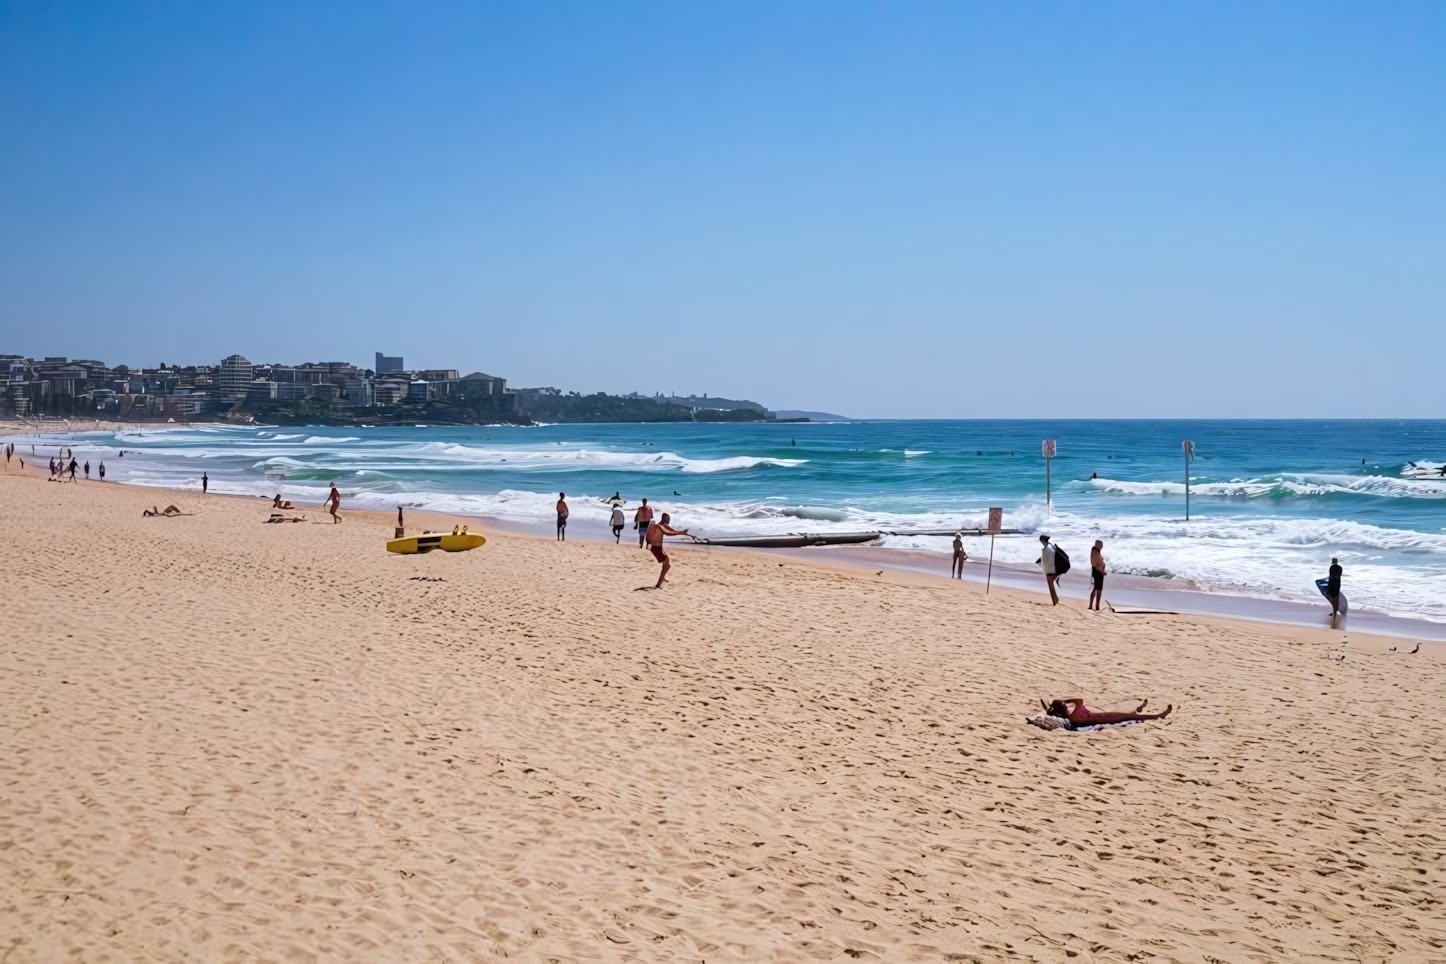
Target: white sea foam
[{"x": 1283, "y": 485}]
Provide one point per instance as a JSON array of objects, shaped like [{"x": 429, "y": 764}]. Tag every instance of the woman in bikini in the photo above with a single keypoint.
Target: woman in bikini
[{"x": 1078, "y": 714}]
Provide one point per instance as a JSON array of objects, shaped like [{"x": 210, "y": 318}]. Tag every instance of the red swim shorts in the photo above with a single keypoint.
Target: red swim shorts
[{"x": 659, "y": 554}]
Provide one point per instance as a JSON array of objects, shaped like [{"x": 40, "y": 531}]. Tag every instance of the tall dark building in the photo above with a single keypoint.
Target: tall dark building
[{"x": 389, "y": 363}]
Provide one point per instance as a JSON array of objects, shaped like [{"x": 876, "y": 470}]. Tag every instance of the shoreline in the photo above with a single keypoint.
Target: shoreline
[{"x": 1127, "y": 591}]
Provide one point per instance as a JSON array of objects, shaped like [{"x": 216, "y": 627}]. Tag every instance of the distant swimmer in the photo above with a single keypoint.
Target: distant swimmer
[
  {"x": 642, "y": 519},
  {"x": 617, "y": 521},
  {"x": 562, "y": 516},
  {"x": 956, "y": 568},
  {"x": 655, "y": 544},
  {"x": 333, "y": 503}
]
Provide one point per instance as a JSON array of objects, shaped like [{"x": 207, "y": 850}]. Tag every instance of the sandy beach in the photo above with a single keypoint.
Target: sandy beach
[{"x": 227, "y": 740}]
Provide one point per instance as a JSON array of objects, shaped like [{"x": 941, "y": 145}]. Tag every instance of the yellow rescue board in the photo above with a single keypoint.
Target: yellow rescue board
[{"x": 427, "y": 541}]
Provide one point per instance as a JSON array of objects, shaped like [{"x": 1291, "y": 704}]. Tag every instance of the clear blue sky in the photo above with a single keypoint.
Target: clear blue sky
[{"x": 919, "y": 209}]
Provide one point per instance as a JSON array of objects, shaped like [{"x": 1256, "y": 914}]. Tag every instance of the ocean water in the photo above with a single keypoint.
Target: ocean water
[{"x": 1271, "y": 501}]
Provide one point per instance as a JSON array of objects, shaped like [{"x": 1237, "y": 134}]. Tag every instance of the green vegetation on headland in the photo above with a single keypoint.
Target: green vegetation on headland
[{"x": 527, "y": 406}]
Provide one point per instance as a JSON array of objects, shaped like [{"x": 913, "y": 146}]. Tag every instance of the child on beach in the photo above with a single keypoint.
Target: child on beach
[{"x": 617, "y": 522}]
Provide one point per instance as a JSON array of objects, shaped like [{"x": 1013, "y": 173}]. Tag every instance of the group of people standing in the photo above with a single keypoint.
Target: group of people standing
[{"x": 650, "y": 533}]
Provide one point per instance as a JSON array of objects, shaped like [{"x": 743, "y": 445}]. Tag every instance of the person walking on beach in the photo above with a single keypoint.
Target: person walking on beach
[
  {"x": 333, "y": 503},
  {"x": 1333, "y": 587},
  {"x": 87, "y": 470},
  {"x": 1046, "y": 563},
  {"x": 1097, "y": 575},
  {"x": 205, "y": 483},
  {"x": 102, "y": 471},
  {"x": 617, "y": 521},
  {"x": 73, "y": 467},
  {"x": 642, "y": 519},
  {"x": 956, "y": 568},
  {"x": 655, "y": 544},
  {"x": 562, "y": 516}
]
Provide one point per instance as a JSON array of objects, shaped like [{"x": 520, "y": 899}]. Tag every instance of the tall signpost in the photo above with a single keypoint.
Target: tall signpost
[
  {"x": 1189, "y": 454},
  {"x": 1048, "y": 449},
  {"x": 996, "y": 521}
]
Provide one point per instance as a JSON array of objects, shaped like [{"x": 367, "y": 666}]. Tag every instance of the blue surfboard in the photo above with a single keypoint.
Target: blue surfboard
[{"x": 1322, "y": 585}]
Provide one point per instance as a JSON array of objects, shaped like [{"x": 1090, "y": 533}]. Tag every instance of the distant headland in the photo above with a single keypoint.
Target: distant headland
[{"x": 332, "y": 393}]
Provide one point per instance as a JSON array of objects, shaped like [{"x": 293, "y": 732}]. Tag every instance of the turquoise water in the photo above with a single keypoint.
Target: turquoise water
[{"x": 1271, "y": 501}]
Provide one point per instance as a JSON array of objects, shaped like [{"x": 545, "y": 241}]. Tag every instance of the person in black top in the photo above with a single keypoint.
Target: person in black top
[{"x": 1333, "y": 587}]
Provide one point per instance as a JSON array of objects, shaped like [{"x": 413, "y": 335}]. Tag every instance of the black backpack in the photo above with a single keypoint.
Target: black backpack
[{"x": 1061, "y": 561}]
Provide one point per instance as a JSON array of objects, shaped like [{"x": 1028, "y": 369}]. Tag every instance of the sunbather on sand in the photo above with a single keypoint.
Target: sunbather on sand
[
  {"x": 169, "y": 510},
  {"x": 1075, "y": 710},
  {"x": 280, "y": 503}
]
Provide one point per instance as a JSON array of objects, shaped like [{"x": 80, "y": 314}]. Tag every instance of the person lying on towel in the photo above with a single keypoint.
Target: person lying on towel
[{"x": 1078, "y": 714}]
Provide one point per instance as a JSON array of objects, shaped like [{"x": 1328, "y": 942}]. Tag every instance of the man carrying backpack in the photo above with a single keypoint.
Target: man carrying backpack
[{"x": 1049, "y": 561}]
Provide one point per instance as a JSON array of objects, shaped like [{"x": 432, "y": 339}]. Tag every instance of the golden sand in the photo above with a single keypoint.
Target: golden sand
[{"x": 227, "y": 740}]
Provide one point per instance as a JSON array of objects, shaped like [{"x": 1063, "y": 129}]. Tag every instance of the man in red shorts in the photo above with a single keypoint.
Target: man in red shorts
[{"x": 655, "y": 543}]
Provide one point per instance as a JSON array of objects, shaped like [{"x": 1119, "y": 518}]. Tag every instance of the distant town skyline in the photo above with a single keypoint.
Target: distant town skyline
[{"x": 929, "y": 210}]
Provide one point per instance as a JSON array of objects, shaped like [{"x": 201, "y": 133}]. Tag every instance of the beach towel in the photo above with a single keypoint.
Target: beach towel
[{"x": 1046, "y": 722}]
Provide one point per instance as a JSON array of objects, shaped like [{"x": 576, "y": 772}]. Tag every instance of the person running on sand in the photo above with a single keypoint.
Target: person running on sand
[
  {"x": 1046, "y": 562},
  {"x": 655, "y": 543},
  {"x": 956, "y": 568},
  {"x": 1075, "y": 710},
  {"x": 642, "y": 519},
  {"x": 333, "y": 503},
  {"x": 73, "y": 467},
  {"x": 617, "y": 522},
  {"x": 562, "y": 514},
  {"x": 1097, "y": 575}
]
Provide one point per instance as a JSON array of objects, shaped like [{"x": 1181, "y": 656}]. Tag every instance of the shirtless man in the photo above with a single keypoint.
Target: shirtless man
[
  {"x": 956, "y": 568},
  {"x": 562, "y": 516},
  {"x": 333, "y": 503},
  {"x": 642, "y": 519},
  {"x": 1097, "y": 575},
  {"x": 655, "y": 543}
]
